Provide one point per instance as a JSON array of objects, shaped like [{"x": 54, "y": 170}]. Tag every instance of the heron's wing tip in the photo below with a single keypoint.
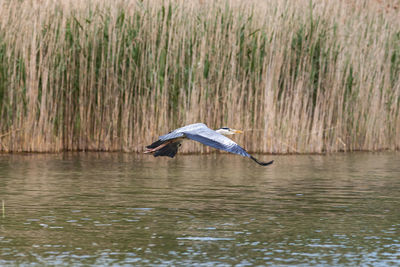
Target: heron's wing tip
[{"x": 262, "y": 163}]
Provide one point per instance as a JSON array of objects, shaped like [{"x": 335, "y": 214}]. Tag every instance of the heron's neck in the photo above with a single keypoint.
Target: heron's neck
[{"x": 223, "y": 132}]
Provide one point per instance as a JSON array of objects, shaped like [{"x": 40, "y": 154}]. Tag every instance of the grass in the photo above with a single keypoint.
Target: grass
[{"x": 303, "y": 76}]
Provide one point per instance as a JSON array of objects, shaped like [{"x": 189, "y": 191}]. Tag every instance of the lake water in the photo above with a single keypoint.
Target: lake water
[{"x": 127, "y": 209}]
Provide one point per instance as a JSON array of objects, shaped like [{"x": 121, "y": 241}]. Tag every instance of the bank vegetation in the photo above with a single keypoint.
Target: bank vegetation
[{"x": 298, "y": 76}]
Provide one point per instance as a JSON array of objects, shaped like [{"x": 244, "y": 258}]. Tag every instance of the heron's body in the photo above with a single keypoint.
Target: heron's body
[{"x": 167, "y": 145}]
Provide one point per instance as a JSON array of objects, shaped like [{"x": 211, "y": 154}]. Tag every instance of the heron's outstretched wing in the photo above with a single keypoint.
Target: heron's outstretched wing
[
  {"x": 168, "y": 137},
  {"x": 201, "y": 133},
  {"x": 216, "y": 140},
  {"x": 181, "y": 132}
]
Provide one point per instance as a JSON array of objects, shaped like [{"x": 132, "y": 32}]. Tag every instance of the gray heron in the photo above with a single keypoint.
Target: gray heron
[{"x": 167, "y": 145}]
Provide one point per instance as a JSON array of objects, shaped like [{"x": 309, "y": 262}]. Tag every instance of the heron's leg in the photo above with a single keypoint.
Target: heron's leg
[{"x": 158, "y": 148}]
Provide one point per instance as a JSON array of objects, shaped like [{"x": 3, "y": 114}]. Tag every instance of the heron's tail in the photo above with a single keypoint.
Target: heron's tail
[{"x": 261, "y": 163}]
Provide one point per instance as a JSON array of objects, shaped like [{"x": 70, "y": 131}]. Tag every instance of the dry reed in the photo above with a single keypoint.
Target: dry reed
[{"x": 304, "y": 76}]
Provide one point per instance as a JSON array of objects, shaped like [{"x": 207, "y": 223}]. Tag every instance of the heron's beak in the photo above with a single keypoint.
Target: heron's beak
[{"x": 237, "y": 131}]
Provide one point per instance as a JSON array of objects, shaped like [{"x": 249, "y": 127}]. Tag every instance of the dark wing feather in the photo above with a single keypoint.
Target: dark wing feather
[
  {"x": 155, "y": 144},
  {"x": 169, "y": 150},
  {"x": 262, "y": 163}
]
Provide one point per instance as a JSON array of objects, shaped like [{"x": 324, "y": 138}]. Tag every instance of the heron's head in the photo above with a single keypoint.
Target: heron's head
[{"x": 227, "y": 131}]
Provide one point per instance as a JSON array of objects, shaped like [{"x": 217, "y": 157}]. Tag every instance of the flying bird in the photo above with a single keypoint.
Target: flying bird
[{"x": 167, "y": 145}]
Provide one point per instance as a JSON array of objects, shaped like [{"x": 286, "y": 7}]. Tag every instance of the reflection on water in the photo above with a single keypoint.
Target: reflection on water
[{"x": 114, "y": 208}]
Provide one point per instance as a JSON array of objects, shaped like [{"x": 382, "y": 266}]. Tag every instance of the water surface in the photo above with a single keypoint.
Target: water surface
[{"x": 127, "y": 209}]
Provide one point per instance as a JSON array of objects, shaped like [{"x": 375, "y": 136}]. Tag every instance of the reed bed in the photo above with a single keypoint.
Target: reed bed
[{"x": 298, "y": 76}]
